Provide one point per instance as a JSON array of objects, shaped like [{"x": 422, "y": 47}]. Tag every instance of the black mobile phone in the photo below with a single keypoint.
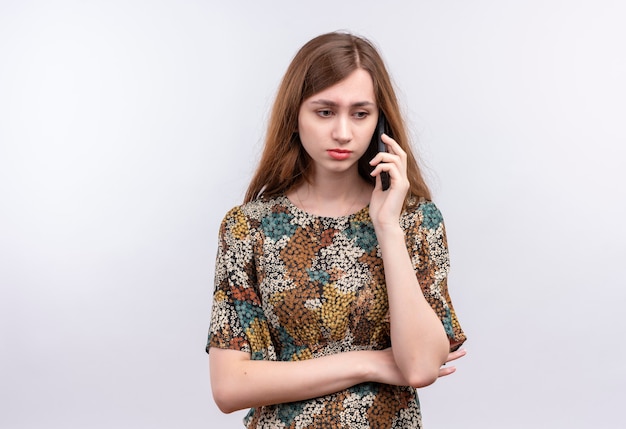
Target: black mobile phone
[{"x": 382, "y": 127}]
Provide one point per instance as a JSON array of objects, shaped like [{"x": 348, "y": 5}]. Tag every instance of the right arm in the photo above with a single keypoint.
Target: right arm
[{"x": 238, "y": 382}]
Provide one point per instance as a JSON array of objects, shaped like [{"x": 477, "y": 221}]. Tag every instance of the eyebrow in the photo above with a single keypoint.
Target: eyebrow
[{"x": 330, "y": 103}]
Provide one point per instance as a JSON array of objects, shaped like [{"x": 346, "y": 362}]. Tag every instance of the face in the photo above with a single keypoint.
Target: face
[{"x": 336, "y": 124}]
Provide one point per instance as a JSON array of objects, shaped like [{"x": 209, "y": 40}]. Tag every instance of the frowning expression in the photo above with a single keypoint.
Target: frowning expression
[{"x": 336, "y": 124}]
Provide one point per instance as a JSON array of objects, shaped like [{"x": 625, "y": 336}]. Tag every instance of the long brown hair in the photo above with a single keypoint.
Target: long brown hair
[{"x": 319, "y": 64}]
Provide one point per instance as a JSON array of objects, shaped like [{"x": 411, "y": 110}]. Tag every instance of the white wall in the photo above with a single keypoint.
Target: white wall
[{"x": 128, "y": 128}]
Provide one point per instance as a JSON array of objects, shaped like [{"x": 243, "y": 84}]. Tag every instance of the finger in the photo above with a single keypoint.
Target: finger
[
  {"x": 456, "y": 355},
  {"x": 384, "y": 166},
  {"x": 446, "y": 371},
  {"x": 391, "y": 170},
  {"x": 378, "y": 184},
  {"x": 392, "y": 145},
  {"x": 385, "y": 157}
]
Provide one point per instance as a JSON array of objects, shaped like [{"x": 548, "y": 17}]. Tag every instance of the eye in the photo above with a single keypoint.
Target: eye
[
  {"x": 361, "y": 115},
  {"x": 325, "y": 113}
]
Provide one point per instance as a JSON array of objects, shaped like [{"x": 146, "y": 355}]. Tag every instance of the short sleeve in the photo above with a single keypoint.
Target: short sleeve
[
  {"x": 237, "y": 318},
  {"x": 427, "y": 244}
]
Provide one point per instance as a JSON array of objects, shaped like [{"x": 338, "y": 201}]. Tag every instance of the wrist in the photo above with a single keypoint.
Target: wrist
[
  {"x": 362, "y": 366},
  {"x": 388, "y": 232}
]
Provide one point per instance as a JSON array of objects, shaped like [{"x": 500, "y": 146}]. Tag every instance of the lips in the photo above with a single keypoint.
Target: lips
[{"x": 339, "y": 154}]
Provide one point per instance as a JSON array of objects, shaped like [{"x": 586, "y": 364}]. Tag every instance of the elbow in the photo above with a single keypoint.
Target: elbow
[
  {"x": 224, "y": 407},
  {"x": 225, "y": 386},
  {"x": 425, "y": 372},
  {"x": 225, "y": 399},
  {"x": 423, "y": 378}
]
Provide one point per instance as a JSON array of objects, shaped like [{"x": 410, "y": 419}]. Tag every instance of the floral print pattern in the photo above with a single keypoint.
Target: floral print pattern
[{"x": 291, "y": 286}]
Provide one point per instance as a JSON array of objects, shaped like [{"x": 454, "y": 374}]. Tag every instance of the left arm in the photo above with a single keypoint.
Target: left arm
[{"x": 419, "y": 342}]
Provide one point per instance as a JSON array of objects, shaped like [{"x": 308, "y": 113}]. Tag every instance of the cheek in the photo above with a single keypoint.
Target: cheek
[
  {"x": 366, "y": 136},
  {"x": 309, "y": 131},
  {"x": 304, "y": 135},
  {"x": 302, "y": 125}
]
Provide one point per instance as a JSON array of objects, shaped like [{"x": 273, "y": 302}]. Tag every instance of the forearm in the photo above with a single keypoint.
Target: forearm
[
  {"x": 238, "y": 382},
  {"x": 420, "y": 345}
]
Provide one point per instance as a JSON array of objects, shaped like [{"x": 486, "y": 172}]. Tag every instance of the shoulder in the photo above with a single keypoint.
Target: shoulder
[
  {"x": 422, "y": 213},
  {"x": 250, "y": 214}
]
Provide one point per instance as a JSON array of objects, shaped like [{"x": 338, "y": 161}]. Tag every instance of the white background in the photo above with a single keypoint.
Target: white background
[{"x": 128, "y": 129}]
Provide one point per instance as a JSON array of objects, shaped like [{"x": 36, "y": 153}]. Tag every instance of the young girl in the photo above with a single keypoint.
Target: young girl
[{"x": 331, "y": 304}]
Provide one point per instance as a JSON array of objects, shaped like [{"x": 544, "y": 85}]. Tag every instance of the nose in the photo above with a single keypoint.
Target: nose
[{"x": 342, "y": 131}]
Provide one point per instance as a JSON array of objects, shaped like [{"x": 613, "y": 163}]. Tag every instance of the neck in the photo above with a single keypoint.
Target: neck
[{"x": 332, "y": 196}]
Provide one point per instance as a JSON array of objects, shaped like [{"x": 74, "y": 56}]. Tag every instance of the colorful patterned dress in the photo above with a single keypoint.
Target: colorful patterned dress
[{"x": 290, "y": 286}]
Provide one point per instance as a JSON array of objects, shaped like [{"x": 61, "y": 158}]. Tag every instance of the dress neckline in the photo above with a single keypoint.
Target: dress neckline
[{"x": 293, "y": 207}]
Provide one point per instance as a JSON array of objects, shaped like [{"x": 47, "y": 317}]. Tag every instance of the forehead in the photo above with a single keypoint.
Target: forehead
[{"x": 357, "y": 88}]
